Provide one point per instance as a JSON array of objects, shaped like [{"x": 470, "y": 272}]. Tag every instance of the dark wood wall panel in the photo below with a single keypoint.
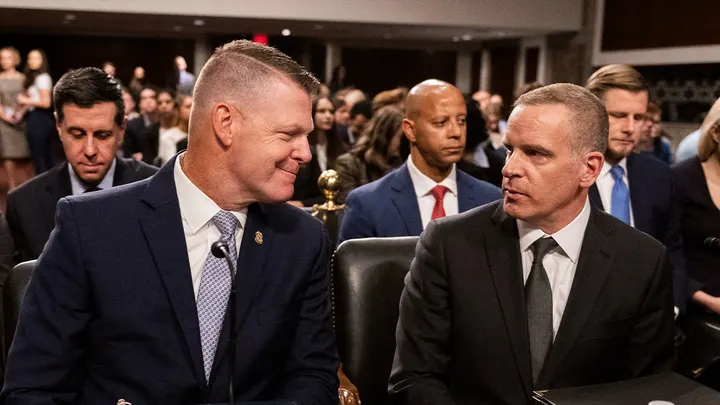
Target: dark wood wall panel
[
  {"x": 502, "y": 73},
  {"x": 375, "y": 70},
  {"x": 532, "y": 61},
  {"x": 71, "y": 52},
  {"x": 639, "y": 24}
]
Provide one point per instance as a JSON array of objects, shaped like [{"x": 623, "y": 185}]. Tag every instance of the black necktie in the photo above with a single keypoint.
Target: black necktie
[
  {"x": 91, "y": 189},
  {"x": 539, "y": 304}
]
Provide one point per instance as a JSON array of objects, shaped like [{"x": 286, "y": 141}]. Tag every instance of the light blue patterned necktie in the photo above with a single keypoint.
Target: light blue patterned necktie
[
  {"x": 620, "y": 203},
  {"x": 214, "y": 290}
]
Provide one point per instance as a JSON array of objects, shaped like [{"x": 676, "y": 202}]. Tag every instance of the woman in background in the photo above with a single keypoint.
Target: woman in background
[
  {"x": 325, "y": 146},
  {"x": 37, "y": 100},
  {"x": 698, "y": 185},
  {"x": 13, "y": 142},
  {"x": 375, "y": 154},
  {"x": 480, "y": 159},
  {"x": 169, "y": 139}
]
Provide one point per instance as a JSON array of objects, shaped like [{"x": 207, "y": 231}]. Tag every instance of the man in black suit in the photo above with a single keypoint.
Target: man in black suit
[
  {"x": 541, "y": 290},
  {"x": 636, "y": 189},
  {"x": 90, "y": 117}
]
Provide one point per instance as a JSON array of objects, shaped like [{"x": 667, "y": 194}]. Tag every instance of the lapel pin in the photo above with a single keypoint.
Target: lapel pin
[{"x": 259, "y": 238}]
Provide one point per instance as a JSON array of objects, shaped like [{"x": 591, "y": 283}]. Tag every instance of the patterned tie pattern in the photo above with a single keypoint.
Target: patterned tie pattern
[
  {"x": 539, "y": 306},
  {"x": 214, "y": 290},
  {"x": 620, "y": 204},
  {"x": 439, "y": 209}
]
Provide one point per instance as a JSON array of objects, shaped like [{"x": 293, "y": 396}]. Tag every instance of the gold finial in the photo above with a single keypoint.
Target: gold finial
[
  {"x": 330, "y": 185},
  {"x": 259, "y": 238},
  {"x": 123, "y": 402}
]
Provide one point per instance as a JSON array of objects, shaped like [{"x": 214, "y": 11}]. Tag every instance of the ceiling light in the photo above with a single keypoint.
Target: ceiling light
[
  {"x": 199, "y": 22},
  {"x": 70, "y": 17},
  {"x": 500, "y": 33},
  {"x": 456, "y": 39},
  {"x": 318, "y": 27},
  {"x": 467, "y": 37},
  {"x": 286, "y": 32},
  {"x": 177, "y": 28}
]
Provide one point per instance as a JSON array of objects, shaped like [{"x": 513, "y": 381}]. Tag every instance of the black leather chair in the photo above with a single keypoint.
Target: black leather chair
[
  {"x": 15, "y": 286},
  {"x": 368, "y": 279}
]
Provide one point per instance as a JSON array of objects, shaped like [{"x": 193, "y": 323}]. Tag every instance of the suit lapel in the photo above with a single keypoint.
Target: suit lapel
[
  {"x": 257, "y": 241},
  {"x": 593, "y": 267},
  {"x": 405, "y": 200},
  {"x": 166, "y": 238},
  {"x": 503, "y": 249},
  {"x": 639, "y": 195},
  {"x": 58, "y": 187},
  {"x": 466, "y": 197},
  {"x": 595, "y": 199}
]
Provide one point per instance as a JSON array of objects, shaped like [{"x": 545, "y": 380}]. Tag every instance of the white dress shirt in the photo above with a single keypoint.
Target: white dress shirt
[
  {"x": 423, "y": 190},
  {"x": 321, "y": 156},
  {"x": 168, "y": 143},
  {"x": 605, "y": 184},
  {"x": 197, "y": 211},
  {"x": 561, "y": 263},
  {"x": 79, "y": 187}
]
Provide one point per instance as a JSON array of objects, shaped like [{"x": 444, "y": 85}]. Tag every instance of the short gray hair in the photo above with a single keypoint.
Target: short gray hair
[
  {"x": 242, "y": 68},
  {"x": 589, "y": 130}
]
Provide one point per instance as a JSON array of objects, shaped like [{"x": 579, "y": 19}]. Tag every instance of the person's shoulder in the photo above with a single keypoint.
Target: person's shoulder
[
  {"x": 687, "y": 166},
  {"x": 650, "y": 165},
  {"x": 290, "y": 217},
  {"x": 625, "y": 236},
  {"x": 476, "y": 218},
  {"x": 483, "y": 186},
  {"x": 141, "y": 170},
  {"x": 36, "y": 184},
  {"x": 372, "y": 189}
]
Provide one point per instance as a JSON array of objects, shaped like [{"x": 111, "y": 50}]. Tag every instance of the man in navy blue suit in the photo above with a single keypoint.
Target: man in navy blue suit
[
  {"x": 636, "y": 189},
  {"x": 127, "y": 300},
  {"x": 428, "y": 186}
]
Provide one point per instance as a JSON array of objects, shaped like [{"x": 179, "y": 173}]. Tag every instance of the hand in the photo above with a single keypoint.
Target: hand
[
  {"x": 298, "y": 204},
  {"x": 23, "y": 99},
  {"x": 708, "y": 301}
]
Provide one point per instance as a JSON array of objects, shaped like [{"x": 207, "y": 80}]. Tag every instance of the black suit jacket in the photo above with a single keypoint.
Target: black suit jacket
[
  {"x": 656, "y": 212},
  {"x": 31, "y": 207},
  {"x": 141, "y": 138},
  {"x": 462, "y": 336}
]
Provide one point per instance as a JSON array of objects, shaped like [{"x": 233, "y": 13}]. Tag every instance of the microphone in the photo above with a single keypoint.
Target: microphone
[
  {"x": 220, "y": 249},
  {"x": 712, "y": 242}
]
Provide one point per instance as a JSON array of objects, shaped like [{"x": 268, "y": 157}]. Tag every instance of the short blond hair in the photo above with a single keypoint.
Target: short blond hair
[
  {"x": 15, "y": 54},
  {"x": 707, "y": 145},
  {"x": 623, "y": 77},
  {"x": 589, "y": 121},
  {"x": 242, "y": 69}
]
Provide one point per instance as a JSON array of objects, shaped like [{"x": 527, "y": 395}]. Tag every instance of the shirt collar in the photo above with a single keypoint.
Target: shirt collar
[
  {"x": 606, "y": 168},
  {"x": 570, "y": 238},
  {"x": 424, "y": 184},
  {"x": 196, "y": 208},
  {"x": 79, "y": 186}
]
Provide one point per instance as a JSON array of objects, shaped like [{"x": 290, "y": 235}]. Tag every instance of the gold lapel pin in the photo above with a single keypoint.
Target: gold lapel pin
[
  {"x": 259, "y": 238},
  {"x": 123, "y": 402}
]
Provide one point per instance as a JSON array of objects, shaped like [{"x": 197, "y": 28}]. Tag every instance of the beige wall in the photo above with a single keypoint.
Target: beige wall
[{"x": 552, "y": 15}]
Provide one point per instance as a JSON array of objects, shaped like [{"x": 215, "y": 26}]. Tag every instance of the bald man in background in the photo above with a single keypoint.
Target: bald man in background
[{"x": 428, "y": 186}]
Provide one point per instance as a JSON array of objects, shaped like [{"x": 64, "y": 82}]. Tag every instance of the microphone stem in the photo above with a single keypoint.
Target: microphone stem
[{"x": 233, "y": 332}]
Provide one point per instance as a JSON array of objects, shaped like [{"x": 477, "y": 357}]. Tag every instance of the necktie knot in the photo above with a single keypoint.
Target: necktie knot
[
  {"x": 541, "y": 248},
  {"x": 617, "y": 172},
  {"x": 92, "y": 189},
  {"x": 439, "y": 192},
  {"x": 226, "y": 223}
]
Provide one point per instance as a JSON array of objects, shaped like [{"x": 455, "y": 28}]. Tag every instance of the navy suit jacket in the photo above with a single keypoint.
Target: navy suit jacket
[
  {"x": 389, "y": 207},
  {"x": 110, "y": 311},
  {"x": 655, "y": 211}
]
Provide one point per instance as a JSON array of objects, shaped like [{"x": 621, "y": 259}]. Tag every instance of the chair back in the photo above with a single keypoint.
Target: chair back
[
  {"x": 368, "y": 279},
  {"x": 15, "y": 286}
]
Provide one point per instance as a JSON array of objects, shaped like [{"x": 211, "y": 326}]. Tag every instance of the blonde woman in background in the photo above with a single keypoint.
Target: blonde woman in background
[{"x": 13, "y": 142}]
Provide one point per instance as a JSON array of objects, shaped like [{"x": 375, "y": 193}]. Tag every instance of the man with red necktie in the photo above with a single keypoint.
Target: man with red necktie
[{"x": 428, "y": 186}]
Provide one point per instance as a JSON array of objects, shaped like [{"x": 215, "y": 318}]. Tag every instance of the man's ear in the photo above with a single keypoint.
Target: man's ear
[
  {"x": 408, "y": 127},
  {"x": 591, "y": 169},
  {"x": 222, "y": 121}
]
